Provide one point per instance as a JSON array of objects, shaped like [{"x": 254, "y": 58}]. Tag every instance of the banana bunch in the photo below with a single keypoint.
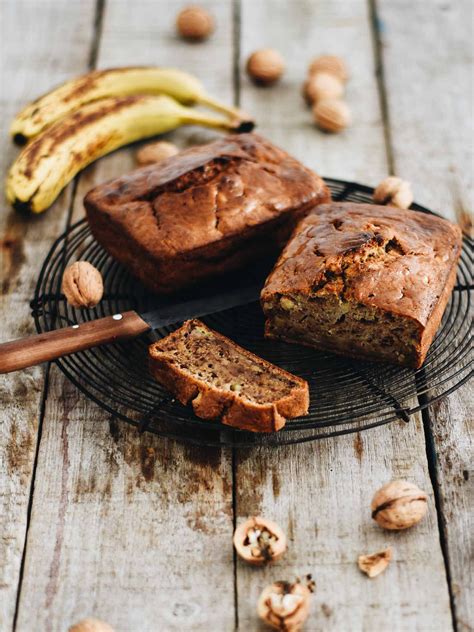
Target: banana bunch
[{"x": 95, "y": 114}]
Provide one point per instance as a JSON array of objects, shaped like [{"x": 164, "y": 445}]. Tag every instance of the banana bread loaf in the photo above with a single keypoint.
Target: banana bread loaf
[
  {"x": 364, "y": 281},
  {"x": 205, "y": 211},
  {"x": 224, "y": 382}
]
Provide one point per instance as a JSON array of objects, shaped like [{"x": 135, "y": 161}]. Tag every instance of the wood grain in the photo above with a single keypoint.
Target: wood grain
[
  {"x": 33, "y": 58},
  {"x": 430, "y": 112},
  {"x": 132, "y": 529},
  {"x": 137, "y": 530},
  {"x": 320, "y": 494}
]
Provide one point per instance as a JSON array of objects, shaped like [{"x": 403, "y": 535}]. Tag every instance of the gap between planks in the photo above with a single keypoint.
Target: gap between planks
[
  {"x": 430, "y": 443},
  {"x": 236, "y": 55},
  {"x": 443, "y": 539},
  {"x": 381, "y": 85}
]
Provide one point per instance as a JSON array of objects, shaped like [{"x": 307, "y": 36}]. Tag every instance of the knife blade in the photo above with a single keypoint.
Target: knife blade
[
  {"x": 201, "y": 306},
  {"x": 51, "y": 345}
]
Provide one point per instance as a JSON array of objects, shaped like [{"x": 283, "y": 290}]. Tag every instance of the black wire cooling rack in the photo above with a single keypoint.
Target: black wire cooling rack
[{"x": 346, "y": 395}]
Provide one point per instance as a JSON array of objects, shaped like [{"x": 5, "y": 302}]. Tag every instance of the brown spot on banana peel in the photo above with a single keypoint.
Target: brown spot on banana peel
[
  {"x": 86, "y": 82},
  {"x": 63, "y": 130}
]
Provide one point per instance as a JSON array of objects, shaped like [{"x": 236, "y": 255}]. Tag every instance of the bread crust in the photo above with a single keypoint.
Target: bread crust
[
  {"x": 203, "y": 212},
  {"x": 401, "y": 263},
  {"x": 217, "y": 404}
]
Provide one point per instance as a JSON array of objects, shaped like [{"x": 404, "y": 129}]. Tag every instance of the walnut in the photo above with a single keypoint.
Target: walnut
[
  {"x": 265, "y": 66},
  {"x": 284, "y": 605},
  {"x": 332, "y": 115},
  {"x": 323, "y": 86},
  {"x": 331, "y": 64},
  {"x": 82, "y": 284},
  {"x": 259, "y": 541},
  {"x": 154, "y": 152},
  {"x": 395, "y": 192},
  {"x": 374, "y": 564},
  {"x": 91, "y": 625},
  {"x": 194, "y": 23},
  {"x": 399, "y": 505}
]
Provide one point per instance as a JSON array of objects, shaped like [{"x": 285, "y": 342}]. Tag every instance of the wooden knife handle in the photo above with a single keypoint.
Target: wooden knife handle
[{"x": 51, "y": 345}]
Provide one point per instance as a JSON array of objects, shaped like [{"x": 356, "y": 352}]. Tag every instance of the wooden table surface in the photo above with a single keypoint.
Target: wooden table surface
[{"x": 96, "y": 520}]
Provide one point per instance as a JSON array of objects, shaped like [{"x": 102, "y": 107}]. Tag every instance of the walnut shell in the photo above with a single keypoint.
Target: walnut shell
[
  {"x": 395, "y": 192},
  {"x": 323, "y": 86},
  {"x": 259, "y": 541},
  {"x": 194, "y": 23},
  {"x": 82, "y": 284},
  {"x": 399, "y": 505},
  {"x": 91, "y": 625},
  {"x": 331, "y": 64},
  {"x": 265, "y": 66},
  {"x": 332, "y": 115},
  {"x": 154, "y": 152},
  {"x": 284, "y": 606},
  {"x": 374, "y": 564}
]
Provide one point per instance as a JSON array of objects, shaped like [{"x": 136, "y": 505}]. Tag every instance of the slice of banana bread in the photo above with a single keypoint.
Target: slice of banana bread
[
  {"x": 224, "y": 382},
  {"x": 364, "y": 281}
]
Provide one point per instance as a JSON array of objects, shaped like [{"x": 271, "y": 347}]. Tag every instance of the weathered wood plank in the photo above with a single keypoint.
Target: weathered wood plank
[
  {"x": 320, "y": 494},
  {"x": 33, "y": 57},
  {"x": 133, "y": 529},
  {"x": 430, "y": 113}
]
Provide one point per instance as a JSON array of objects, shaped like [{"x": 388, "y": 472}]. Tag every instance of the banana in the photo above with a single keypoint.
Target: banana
[
  {"x": 115, "y": 82},
  {"x": 52, "y": 159}
]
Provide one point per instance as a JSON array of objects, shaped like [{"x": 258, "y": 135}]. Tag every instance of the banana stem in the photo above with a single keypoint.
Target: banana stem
[
  {"x": 226, "y": 125},
  {"x": 246, "y": 122}
]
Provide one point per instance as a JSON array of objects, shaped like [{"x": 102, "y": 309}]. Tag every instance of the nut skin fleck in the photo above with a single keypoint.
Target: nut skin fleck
[
  {"x": 259, "y": 541},
  {"x": 394, "y": 192},
  {"x": 284, "y": 606},
  {"x": 332, "y": 115},
  {"x": 330, "y": 64},
  {"x": 82, "y": 284},
  {"x": 375, "y": 563},
  {"x": 152, "y": 153},
  {"x": 265, "y": 66},
  {"x": 91, "y": 625},
  {"x": 194, "y": 23},
  {"x": 399, "y": 505}
]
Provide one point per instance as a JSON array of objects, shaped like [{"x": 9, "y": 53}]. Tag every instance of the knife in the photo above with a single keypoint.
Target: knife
[{"x": 50, "y": 345}]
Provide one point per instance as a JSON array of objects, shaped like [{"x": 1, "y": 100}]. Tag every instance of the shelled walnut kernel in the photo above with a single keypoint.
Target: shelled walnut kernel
[
  {"x": 394, "y": 192},
  {"x": 259, "y": 541},
  {"x": 284, "y": 605}
]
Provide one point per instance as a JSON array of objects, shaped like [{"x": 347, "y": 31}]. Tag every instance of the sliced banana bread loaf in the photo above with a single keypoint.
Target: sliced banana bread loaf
[
  {"x": 224, "y": 382},
  {"x": 203, "y": 212},
  {"x": 364, "y": 281}
]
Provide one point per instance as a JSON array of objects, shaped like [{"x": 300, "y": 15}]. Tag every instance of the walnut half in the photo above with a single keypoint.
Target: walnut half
[
  {"x": 284, "y": 605},
  {"x": 259, "y": 541},
  {"x": 374, "y": 564}
]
